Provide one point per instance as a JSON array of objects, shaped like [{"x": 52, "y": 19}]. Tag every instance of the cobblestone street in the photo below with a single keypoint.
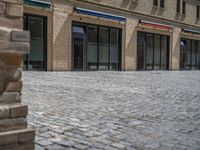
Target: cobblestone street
[{"x": 114, "y": 110}]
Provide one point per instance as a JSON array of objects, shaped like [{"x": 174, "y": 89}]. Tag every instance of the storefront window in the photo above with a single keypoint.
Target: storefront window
[
  {"x": 149, "y": 52},
  {"x": 198, "y": 55},
  {"x": 189, "y": 55},
  {"x": 103, "y": 45},
  {"x": 141, "y": 50},
  {"x": 103, "y": 48},
  {"x": 152, "y": 51},
  {"x": 193, "y": 66},
  {"x": 164, "y": 52},
  {"x": 114, "y": 49},
  {"x": 92, "y": 49},
  {"x": 35, "y": 60},
  {"x": 157, "y": 52}
]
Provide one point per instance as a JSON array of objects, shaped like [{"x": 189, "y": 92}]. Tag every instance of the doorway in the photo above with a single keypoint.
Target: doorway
[{"x": 79, "y": 48}]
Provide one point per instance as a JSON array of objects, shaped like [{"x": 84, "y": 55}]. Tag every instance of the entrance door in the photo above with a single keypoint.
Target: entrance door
[{"x": 79, "y": 52}]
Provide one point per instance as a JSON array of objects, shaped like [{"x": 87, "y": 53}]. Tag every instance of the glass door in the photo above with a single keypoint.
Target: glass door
[{"x": 79, "y": 52}]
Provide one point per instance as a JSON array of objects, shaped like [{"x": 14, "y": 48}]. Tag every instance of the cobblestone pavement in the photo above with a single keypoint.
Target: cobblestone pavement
[{"x": 114, "y": 110}]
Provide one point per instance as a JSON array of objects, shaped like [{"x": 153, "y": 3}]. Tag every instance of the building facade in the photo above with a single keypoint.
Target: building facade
[{"x": 113, "y": 35}]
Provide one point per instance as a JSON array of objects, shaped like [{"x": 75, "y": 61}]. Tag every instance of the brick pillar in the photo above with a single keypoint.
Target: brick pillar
[
  {"x": 175, "y": 53},
  {"x": 14, "y": 42}
]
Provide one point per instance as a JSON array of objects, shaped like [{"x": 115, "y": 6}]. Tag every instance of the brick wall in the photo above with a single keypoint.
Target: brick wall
[{"x": 14, "y": 42}]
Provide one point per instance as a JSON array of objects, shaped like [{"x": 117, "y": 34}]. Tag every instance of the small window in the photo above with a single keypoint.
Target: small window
[
  {"x": 162, "y": 3},
  {"x": 155, "y": 2},
  {"x": 78, "y": 29},
  {"x": 198, "y": 11},
  {"x": 183, "y": 7},
  {"x": 178, "y": 6}
]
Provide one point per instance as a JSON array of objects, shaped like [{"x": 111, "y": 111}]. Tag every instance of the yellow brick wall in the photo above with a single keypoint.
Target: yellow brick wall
[{"x": 60, "y": 28}]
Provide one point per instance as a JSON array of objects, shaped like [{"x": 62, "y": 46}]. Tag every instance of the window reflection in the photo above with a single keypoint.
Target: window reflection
[
  {"x": 153, "y": 51},
  {"x": 92, "y": 49},
  {"x": 189, "y": 54},
  {"x": 103, "y": 48}
]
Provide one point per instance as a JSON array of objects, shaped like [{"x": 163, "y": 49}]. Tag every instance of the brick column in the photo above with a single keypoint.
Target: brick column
[
  {"x": 14, "y": 42},
  {"x": 175, "y": 53}
]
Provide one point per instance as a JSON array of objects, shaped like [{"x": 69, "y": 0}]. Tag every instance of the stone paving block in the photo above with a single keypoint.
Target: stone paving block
[{"x": 135, "y": 110}]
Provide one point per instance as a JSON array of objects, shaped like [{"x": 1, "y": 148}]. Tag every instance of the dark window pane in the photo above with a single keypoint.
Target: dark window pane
[
  {"x": 155, "y": 2},
  {"x": 188, "y": 55},
  {"x": 164, "y": 52},
  {"x": 35, "y": 59},
  {"x": 78, "y": 29},
  {"x": 193, "y": 66},
  {"x": 182, "y": 54},
  {"x": 198, "y": 11},
  {"x": 78, "y": 53},
  {"x": 141, "y": 51},
  {"x": 114, "y": 49},
  {"x": 149, "y": 53},
  {"x": 178, "y": 6},
  {"x": 92, "y": 34},
  {"x": 198, "y": 55},
  {"x": 183, "y": 7},
  {"x": 92, "y": 49},
  {"x": 103, "y": 48},
  {"x": 156, "y": 52},
  {"x": 35, "y": 26},
  {"x": 162, "y": 3}
]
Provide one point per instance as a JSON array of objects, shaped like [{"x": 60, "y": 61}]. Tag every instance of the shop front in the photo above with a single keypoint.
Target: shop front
[
  {"x": 189, "y": 54},
  {"x": 152, "y": 51},
  {"x": 37, "y": 58},
  {"x": 96, "y": 47}
]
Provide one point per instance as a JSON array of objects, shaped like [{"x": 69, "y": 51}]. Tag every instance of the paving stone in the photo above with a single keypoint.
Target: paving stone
[
  {"x": 114, "y": 110},
  {"x": 118, "y": 145}
]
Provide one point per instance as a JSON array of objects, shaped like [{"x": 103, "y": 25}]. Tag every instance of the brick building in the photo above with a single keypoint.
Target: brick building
[{"x": 113, "y": 35}]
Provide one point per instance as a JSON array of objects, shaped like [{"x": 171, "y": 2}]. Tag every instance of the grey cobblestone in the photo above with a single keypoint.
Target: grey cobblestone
[{"x": 114, "y": 110}]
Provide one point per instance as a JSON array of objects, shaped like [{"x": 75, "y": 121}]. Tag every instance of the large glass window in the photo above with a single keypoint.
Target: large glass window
[
  {"x": 36, "y": 59},
  {"x": 198, "y": 55},
  {"x": 141, "y": 50},
  {"x": 182, "y": 53},
  {"x": 189, "y": 54},
  {"x": 103, "y": 46},
  {"x": 164, "y": 52},
  {"x": 92, "y": 49},
  {"x": 193, "y": 55},
  {"x": 153, "y": 51},
  {"x": 114, "y": 48},
  {"x": 149, "y": 51},
  {"x": 157, "y": 52}
]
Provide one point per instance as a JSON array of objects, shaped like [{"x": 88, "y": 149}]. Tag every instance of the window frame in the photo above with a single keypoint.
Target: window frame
[
  {"x": 198, "y": 11},
  {"x": 162, "y": 4},
  {"x": 178, "y": 6},
  {"x": 184, "y": 7},
  {"x": 155, "y": 3}
]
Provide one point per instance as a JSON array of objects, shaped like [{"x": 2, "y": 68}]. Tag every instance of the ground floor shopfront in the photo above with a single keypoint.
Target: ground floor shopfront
[{"x": 81, "y": 38}]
